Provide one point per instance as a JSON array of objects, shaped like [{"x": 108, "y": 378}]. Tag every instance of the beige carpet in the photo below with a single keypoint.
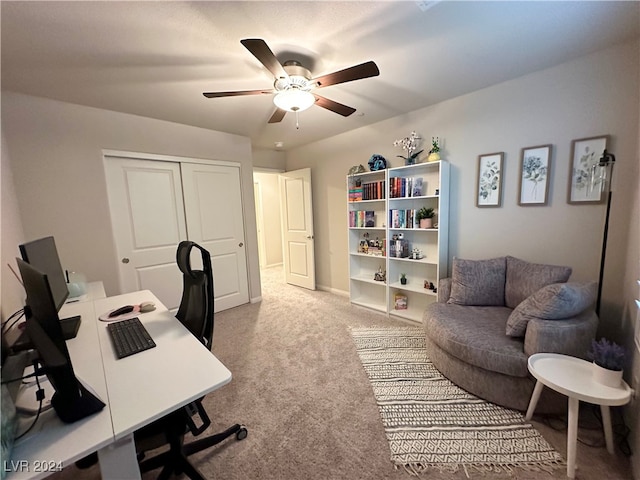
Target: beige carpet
[{"x": 300, "y": 388}]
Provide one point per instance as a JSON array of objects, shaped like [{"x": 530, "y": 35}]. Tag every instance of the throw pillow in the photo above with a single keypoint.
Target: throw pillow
[
  {"x": 523, "y": 279},
  {"x": 553, "y": 302},
  {"x": 478, "y": 282}
]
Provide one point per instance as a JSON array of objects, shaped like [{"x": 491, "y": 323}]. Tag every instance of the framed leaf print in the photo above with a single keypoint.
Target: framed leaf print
[
  {"x": 535, "y": 171},
  {"x": 489, "y": 184},
  {"x": 585, "y": 183}
]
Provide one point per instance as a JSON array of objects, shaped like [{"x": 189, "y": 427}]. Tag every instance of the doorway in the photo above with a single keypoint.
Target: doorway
[
  {"x": 268, "y": 217},
  {"x": 285, "y": 224}
]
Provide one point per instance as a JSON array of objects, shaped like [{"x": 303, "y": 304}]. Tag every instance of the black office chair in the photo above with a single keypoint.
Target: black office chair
[{"x": 196, "y": 313}]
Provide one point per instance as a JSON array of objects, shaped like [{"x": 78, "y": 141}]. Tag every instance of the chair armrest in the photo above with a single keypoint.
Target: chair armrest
[
  {"x": 444, "y": 289},
  {"x": 571, "y": 336}
]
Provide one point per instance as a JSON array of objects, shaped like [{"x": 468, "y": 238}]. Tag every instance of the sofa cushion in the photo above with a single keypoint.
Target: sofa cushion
[
  {"x": 476, "y": 336},
  {"x": 553, "y": 302},
  {"x": 523, "y": 279},
  {"x": 478, "y": 282}
]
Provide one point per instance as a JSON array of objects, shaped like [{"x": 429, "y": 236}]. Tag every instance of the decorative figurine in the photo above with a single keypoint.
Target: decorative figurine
[{"x": 380, "y": 275}]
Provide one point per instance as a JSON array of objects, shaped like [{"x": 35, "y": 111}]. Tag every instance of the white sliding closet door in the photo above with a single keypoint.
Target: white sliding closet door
[
  {"x": 213, "y": 207},
  {"x": 147, "y": 215},
  {"x": 155, "y": 204}
]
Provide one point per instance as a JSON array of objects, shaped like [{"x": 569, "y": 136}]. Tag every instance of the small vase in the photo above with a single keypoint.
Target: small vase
[
  {"x": 426, "y": 223},
  {"x": 604, "y": 376},
  {"x": 403, "y": 281},
  {"x": 433, "y": 157}
]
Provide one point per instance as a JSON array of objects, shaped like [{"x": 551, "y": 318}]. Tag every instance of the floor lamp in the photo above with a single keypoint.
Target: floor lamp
[{"x": 607, "y": 159}]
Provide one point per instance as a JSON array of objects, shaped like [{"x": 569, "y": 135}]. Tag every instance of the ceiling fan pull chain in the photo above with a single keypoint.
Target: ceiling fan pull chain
[{"x": 297, "y": 124}]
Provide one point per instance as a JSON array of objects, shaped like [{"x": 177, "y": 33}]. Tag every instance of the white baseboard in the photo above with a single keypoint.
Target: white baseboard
[
  {"x": 255, "y": 299},
  {"x": 273, "y": 265},
  {"x": 335, "y": 291}
]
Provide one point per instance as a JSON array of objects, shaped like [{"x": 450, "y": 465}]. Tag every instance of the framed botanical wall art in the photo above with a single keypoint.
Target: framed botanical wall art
[
  {"x": 535, "y": 171},
  {"x": 585, "y": 185},
  {"x": 489, "y": 184}
]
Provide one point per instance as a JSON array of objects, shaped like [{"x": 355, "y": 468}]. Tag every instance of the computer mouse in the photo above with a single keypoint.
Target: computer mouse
[
  {"x": 147, "y": 307},
  {"x": 121, "y": 311}
]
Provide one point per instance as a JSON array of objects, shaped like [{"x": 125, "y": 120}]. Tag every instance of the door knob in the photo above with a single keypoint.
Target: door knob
[
  {"x": 310, "y": 237},
  {"x": 125, "y": 260},
  {"x": 241, "y": 244}
]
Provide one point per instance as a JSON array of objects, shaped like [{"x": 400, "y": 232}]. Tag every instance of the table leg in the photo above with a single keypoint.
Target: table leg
[
  {"x": 572, "y": 436},
  {"x": 118, "y": 460},
  {"x": 535, "y": 396},
  {"x": 606, "y": 424}
]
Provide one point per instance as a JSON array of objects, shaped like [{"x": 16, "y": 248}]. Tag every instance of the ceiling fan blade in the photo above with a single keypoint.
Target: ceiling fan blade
[
  {"x": 237, "y": 93},
  {"x": 277, "y": 116},
  {"x": 336, "y": 107},
  {"x": 263, "y": 53},
  {"x": 364, "y": 70}
]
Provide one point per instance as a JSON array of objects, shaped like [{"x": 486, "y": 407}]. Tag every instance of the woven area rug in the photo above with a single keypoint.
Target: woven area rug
[{"x": 430, "y": 422}]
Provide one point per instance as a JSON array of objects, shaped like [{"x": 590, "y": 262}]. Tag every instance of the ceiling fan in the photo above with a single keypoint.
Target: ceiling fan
[{"x": 293, "y": 85}]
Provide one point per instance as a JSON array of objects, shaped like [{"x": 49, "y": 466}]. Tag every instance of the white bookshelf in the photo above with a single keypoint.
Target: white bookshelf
[{"x": 432, "y": 242}]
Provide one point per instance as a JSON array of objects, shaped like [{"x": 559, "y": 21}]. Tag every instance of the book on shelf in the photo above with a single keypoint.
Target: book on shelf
[
  {"x": 417, "y": 188},
  {"x": 400, "y": 301},
  {"x": 373, "y": 190},
  {"x": 362, "y": 218},
  {"x": 400, "y": 218},
  {"x": 406, "y": 187},
  {"x": 369, "y": 218},
  {"x": 355, "y": 194}
]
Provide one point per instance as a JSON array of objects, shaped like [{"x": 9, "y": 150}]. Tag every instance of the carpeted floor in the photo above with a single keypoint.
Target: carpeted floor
[{"x": 300, "y": 388}]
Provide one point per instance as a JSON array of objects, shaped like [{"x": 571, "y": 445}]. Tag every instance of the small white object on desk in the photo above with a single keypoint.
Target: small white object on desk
[{"x": 573, "y": 377}]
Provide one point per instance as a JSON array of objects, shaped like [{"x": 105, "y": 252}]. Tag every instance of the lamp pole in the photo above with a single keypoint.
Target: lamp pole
[{"x": 605, "y": 160}]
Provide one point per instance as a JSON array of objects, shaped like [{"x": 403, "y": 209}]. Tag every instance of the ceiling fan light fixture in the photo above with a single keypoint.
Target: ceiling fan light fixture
[{"x": 294, "y": 100}]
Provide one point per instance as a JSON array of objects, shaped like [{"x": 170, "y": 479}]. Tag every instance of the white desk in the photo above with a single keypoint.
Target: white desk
[
  {"x": 53, "y": 441},
  {"x": 573, "y": 377},
  {"x": 137, "y": 389}
]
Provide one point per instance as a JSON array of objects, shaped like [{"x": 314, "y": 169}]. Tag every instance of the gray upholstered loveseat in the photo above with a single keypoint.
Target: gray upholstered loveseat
[{"x": 491, "y": 315}]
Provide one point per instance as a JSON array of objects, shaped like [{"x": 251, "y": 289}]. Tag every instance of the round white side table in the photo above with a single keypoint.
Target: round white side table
[{"x": 572, "y": 377}]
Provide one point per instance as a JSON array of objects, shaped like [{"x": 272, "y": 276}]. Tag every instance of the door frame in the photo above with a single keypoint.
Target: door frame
[
  {"x": 259, "y": 205},
  {"x": 182, "y": 159}
]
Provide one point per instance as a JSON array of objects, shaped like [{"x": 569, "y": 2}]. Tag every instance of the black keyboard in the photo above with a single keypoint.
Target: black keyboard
[{"x": 129, "y": 337}]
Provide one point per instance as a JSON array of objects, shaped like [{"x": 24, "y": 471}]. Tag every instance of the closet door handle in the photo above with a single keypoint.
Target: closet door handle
[
  {"x": 241, "y": 244},
  {"x": 125, "y": 260}
]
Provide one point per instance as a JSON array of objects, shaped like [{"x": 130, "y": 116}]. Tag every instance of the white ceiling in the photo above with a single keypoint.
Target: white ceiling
[{"x": 155, "y": 58}]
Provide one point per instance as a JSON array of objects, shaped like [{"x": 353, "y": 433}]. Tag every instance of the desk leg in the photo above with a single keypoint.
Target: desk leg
[
  {"x": 118, "y": 460},
  {"x": 606, "y": 424},
  {"x": 535, "y": 396},
  {"x": 572, "y": 436}
]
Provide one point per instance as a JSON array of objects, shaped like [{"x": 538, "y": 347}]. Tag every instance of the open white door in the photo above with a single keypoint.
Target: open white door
[{"x": 297, "y": 228}]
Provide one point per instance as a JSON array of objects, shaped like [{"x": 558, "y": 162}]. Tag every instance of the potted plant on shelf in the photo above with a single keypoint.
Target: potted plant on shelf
[
  {"x": 608, "y": 362},
  {"x": 425, "y": 217},
  {"x": 403, "y": 278},
  {"x": 434, "y": 153}
]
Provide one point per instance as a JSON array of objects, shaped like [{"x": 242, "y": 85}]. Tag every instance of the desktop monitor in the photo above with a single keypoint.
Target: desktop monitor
[
  {"x": 43, "y": 255},
  {"x": 71, "y": 400}
]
